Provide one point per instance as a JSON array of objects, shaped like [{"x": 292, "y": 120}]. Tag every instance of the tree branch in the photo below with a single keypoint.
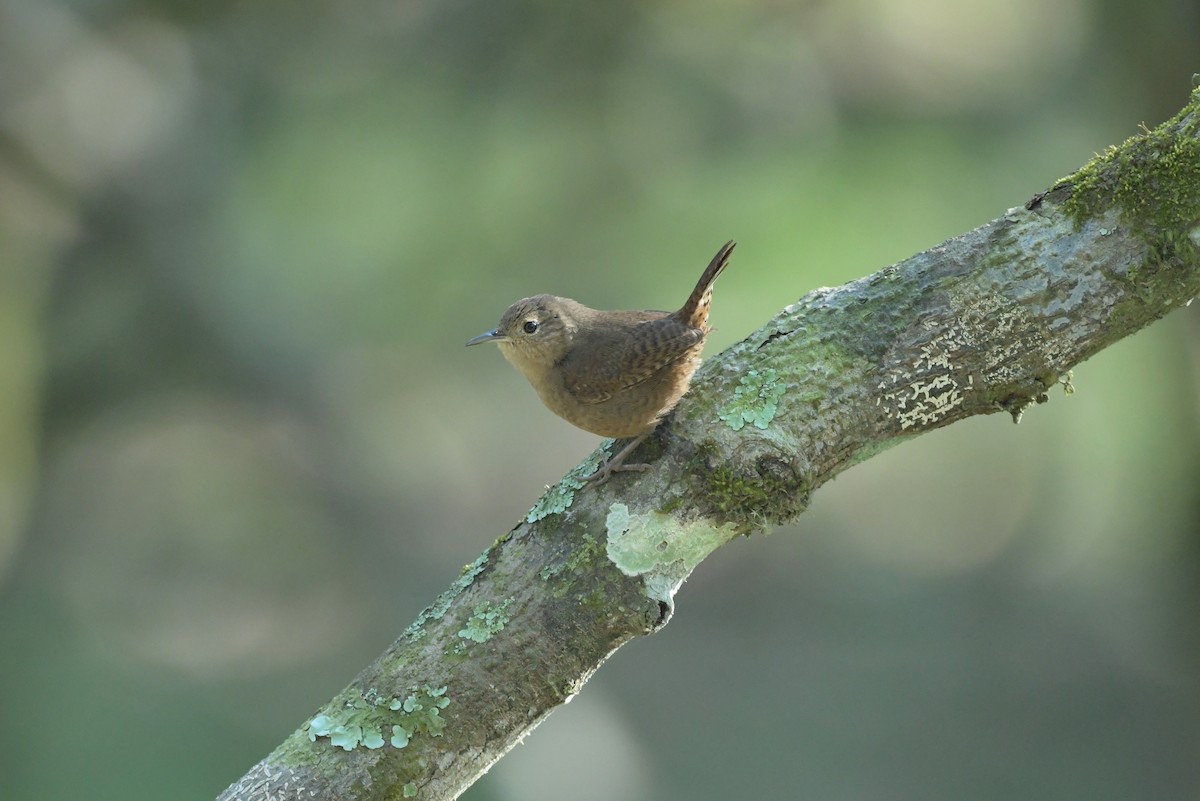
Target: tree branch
[{"x": 988, "y": 321}]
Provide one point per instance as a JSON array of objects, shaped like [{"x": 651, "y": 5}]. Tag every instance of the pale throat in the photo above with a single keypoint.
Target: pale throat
[{"x": 529, "y": 365}]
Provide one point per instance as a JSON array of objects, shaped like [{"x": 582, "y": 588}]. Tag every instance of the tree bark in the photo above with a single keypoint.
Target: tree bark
[{"x": 988, "y": 321}]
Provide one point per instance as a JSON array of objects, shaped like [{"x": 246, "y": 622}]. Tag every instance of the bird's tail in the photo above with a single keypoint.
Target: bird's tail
[{"x": 695, "y": 312}]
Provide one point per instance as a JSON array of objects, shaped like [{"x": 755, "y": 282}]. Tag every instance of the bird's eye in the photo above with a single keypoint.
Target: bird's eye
[{"x": 531, "y": 326}]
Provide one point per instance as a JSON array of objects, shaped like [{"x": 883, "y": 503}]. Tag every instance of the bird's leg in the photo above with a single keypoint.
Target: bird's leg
[{"x": 617, "y": 463}]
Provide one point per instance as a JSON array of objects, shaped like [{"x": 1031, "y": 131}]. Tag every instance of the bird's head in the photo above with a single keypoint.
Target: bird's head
[{"x": 534, "y": 333}]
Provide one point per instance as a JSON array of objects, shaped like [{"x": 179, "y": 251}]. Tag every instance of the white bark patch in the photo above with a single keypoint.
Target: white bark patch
[
  {"x": 1007, "y": 337},
  {"x": 660, "y": 548}
]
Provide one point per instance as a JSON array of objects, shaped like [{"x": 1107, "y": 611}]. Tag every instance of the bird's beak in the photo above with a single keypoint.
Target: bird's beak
[{"x": 486, "y": 336}]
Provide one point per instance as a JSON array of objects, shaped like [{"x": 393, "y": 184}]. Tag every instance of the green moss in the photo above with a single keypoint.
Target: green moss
[
  {"x": 565, "y": 568},
  {"x": 583, "y": 550},
  {"x": 750, "y": 499},
  {"x": 1153, "y": 179},
  {"x": 769, "y": 494},
  {"x": 672, "y": 504},
  {"x": 568, "y": 571},
  {"x": 727, "y": 491}
]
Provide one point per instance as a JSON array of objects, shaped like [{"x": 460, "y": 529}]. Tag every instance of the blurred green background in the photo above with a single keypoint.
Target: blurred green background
[{"x": 242, "y": 245}]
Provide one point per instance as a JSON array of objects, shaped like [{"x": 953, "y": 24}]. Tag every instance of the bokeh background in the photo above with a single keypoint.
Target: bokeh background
[{"x": 241, "y": 444}]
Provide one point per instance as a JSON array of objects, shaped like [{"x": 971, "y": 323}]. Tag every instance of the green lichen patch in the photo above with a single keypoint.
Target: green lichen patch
[
  {"x": 660, "y": 548},
  {"x": 755, "y": 400},
  {"x": 487, "y": 620},
  {"x": 1153, "y": 179},
  {"x": 409, "y": 790},
  {"x": 416, "y": 629},
  {"x": 558, "y": 498},
  {"x": 364, "y": 720}
]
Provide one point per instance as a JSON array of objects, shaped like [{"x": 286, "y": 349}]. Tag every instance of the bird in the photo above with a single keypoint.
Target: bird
[{"x": 612, "y": 373}]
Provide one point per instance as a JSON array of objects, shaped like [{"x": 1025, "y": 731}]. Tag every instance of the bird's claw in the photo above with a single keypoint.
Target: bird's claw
[{"x": 608, "y": 468}]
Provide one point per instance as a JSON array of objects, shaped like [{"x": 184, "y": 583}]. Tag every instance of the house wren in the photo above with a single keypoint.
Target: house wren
[{"x": 613, "y": 373}]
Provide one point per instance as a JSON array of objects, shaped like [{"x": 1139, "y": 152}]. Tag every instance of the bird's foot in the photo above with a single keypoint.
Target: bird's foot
[
  {"x": 617, "y": 463},
  {"x": 608, "y": 468}
]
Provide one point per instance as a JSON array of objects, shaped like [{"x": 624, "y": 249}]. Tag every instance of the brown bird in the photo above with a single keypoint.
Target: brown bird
[{"x": 613, "y": 373}]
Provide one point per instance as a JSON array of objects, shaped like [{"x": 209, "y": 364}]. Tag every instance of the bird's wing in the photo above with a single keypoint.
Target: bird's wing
[{"x": 608, "y": 361}]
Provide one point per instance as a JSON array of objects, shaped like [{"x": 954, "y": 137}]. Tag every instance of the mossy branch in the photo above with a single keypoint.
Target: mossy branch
[{"x": 988, "y": 321}]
